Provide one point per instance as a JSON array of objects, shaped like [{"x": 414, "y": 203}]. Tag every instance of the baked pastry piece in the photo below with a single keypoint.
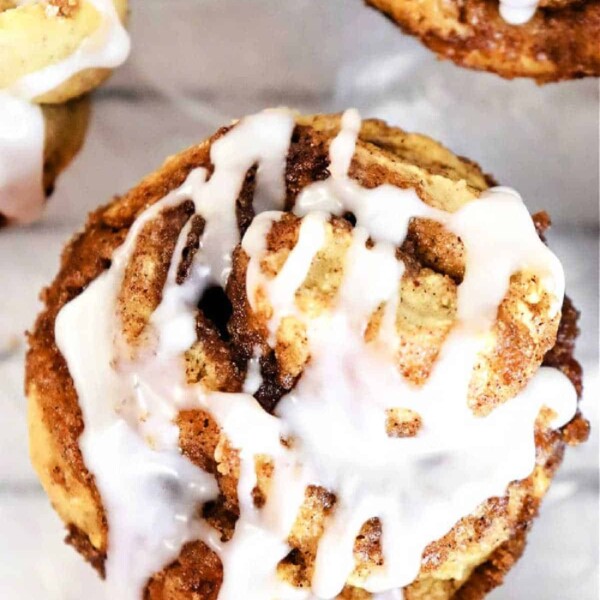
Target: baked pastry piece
[
  {"x": 65, "y": 126},
  {"x": 554, "y": 41},
  {"x": 51, "y": 54},
  {"x": 303, "y": 361}
]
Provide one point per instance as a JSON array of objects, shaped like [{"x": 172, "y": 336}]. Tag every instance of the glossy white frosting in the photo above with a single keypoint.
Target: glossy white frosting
[
  {"x": 518, "y": 12},
  {"x": 418, "y": 487},
  {"x": 22, "y": 194},
  {"x": 21, "y": 159}
]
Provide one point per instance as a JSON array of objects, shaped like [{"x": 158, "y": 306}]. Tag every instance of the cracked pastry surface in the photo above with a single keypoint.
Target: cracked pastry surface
[{"x": 233, "y": 337}]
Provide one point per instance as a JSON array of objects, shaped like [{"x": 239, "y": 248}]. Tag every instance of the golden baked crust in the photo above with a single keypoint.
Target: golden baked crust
[
  {"x": 466, "y": 563},
  {"x": 33, "y": 36},
  {"x": 66, "y": 125},
  {"x": 559, "y": 42}
]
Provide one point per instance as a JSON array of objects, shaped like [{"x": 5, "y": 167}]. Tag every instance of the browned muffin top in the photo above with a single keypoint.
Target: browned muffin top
[{"x": 232, "y": 329}]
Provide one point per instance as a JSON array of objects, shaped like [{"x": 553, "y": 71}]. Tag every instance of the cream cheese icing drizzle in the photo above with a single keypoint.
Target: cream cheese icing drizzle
[
  {"x": 22, "y": 144},
  {"x": 21, "y": 159},
  {"x": 518, "y": 12},
  {"x": 418, "y": 487}
]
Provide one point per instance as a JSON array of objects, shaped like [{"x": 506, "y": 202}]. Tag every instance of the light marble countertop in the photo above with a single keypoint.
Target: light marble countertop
[{"x": 198, "y": 63}]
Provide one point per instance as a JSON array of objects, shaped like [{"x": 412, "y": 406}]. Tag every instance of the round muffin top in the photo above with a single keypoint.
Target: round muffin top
[{"x": 327, "y": 337}]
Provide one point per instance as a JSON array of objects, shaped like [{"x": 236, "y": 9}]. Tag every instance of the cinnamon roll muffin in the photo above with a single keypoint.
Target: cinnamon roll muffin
[
  {"x": 307, "y": 358},
  {"x": 52, "y": 52},
  {"x": 549, "y": 40}
]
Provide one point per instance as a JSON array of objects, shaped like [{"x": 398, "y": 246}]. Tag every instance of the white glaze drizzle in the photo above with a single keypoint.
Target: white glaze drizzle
[
  {"x": 22, "y": 194},
  {"x": 418, "y": 487},
  {"x": 518, "y": 12},
  {"x": 108, "y": 403},
  {"x": 21, "y": 159},
  {"x": 254, "y": 378},
  {"x": 143, "y": 403}
]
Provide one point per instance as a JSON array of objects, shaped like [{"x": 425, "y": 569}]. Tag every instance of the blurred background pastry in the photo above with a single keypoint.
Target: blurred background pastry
[
  {"x": 552, "y": 40},
  {"x": 305, "y": 354},
  {"x": 52, "y": 53}
]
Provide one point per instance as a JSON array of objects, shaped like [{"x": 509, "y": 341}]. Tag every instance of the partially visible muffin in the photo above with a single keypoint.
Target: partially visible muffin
[
  {"x": 52, "y": 53},
  {"x": 559, "y": 42}
]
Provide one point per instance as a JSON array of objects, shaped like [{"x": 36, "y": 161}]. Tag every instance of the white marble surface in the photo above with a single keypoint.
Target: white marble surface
[{"x": 196, "y": 64}]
